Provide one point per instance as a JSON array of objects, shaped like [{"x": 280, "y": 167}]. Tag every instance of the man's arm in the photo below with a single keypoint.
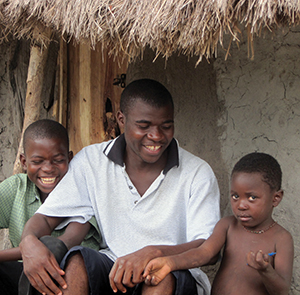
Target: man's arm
[
  {"x": 38, "y": 261},
  {"x": 75, "y": 233}
]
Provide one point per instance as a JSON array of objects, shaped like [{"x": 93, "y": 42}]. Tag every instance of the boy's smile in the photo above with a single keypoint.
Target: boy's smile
[
  {"x": 252, "y": 200},
  {"x": 46, "y": 162}
]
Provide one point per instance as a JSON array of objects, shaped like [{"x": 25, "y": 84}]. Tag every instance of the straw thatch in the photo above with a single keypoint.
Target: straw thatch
[{"x": 192, "y": 27}]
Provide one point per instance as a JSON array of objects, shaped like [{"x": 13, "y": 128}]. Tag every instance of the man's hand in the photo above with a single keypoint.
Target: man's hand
[
  {"x": 156, "y": 270},
  {"x": 128, "y": 270},
  {"x": 38, "y": 264}
]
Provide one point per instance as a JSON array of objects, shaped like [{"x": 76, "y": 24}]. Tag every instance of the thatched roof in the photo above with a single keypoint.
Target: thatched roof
[{"x": 192, "y": 27}]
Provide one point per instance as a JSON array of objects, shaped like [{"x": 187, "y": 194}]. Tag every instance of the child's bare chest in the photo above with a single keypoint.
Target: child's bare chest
[{"x": 235, "y": 276}]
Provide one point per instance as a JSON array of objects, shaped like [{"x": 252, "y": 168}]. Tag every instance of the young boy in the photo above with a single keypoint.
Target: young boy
[
  {"x": 258, "y": 252},
  {"x": 46, "y": 158}
]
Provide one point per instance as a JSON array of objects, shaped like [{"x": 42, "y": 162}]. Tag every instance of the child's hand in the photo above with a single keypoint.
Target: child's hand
[
  {"x": 258, "y": 260},
  {"x": 156, "y": 270}
]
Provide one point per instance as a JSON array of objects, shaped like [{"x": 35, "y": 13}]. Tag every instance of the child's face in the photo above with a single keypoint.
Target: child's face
[
  {"x": 252, "y": 200},
  {"x": 46, "y": 162}
]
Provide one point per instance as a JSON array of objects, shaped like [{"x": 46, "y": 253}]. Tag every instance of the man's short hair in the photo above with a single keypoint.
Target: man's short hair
[
  {"x": 147, "y": 90},
  {"x": 261, "y": 163},
  {"x": 46, "y": 128}
]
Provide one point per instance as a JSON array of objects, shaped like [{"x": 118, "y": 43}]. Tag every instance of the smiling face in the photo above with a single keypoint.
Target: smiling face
[
  {"x": 148, "y": 131},
  {"x": 252, "y": 200},
  {"x": 46, "y": 162}
]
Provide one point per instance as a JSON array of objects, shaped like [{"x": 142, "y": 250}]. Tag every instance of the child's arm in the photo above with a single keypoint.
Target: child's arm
[
  {"x": 157, "y": 269},
  {"x": 277, "y": 280},
  {"x": 12, "y": 254},
  {"x": 75, "y": 233}
]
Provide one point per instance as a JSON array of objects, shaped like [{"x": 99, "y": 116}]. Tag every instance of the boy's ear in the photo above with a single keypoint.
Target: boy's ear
[
  {"x": 120, "y": 118},
  {"x": 70, "y": 155},
  {"x": 278, "y": 196},
  {"x": 23, "y": 162}
]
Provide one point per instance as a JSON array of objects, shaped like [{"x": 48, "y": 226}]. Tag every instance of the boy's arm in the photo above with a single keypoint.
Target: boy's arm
[
  {"x": 12, "y": 254},
  {"x": 277, "y": 280},
  {"x": 75, "y": 233},
  {"x": 158, "y": 268}
]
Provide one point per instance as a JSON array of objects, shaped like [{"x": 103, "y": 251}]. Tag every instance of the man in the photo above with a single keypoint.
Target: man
[{"x": 150, "y": 198}]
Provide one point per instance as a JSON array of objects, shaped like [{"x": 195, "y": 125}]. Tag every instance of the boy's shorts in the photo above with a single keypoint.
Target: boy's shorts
[{"x": 98, "y": 266}]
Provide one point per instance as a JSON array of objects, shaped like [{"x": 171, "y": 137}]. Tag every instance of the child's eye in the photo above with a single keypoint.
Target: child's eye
[
  {"x": 234, "y": 196},
  {"x": 36, "y": 162},
  {"x": 59, "y": 161},
  {"x": 252, "y": 198}
]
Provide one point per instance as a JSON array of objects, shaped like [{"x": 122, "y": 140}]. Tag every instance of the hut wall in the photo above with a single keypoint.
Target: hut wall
[
  {"x": 92, "y": 98},
  {"x": 226, "y": 109}
]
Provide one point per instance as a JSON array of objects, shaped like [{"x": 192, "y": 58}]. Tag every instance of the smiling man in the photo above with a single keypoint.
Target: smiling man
[{"x": 150, "y": 197}]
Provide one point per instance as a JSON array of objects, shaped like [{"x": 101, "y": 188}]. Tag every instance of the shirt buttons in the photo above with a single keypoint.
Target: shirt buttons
[
  {"x": 135, "y": 201},
  {"x": 130, "y": 187}
]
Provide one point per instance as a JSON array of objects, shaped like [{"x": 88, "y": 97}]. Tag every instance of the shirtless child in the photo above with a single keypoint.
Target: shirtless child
[{"x": 258, "y": 252}]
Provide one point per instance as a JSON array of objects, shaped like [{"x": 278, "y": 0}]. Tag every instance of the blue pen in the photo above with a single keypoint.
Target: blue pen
[{"x": 269, "y": 254}]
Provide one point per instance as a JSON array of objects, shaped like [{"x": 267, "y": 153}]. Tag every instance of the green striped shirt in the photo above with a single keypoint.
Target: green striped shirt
[{"x": 19, "y": 200}]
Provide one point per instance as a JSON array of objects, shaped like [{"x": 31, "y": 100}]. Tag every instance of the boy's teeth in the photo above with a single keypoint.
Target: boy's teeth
[
  {"x": 48, "y": 180},
  {"x": 153, "y": 148}
]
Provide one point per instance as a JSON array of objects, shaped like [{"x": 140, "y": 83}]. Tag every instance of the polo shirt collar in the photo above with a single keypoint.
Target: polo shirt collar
[{"x": 116, "y": 153}]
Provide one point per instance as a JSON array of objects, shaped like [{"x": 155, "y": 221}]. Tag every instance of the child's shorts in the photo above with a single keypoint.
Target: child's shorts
[{"x": 98, "y": 266}]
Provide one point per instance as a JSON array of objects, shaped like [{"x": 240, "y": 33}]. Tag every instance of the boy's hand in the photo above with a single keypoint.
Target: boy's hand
[
  {"x": 39, "y": 263},
  {"x": 258, "y": 260},
  {"x": 156, "y": 270}
]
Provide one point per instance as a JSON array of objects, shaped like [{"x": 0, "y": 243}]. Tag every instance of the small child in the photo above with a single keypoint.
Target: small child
[
  {"x": 258, "y": 252},
  {"x": 46, "y": 158}
]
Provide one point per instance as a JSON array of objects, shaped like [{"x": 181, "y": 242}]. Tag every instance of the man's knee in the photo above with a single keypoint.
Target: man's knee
[{"x": 165, "y": 287}]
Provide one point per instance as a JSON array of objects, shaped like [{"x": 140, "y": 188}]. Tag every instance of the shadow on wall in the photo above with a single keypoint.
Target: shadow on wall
[{"x": 197, "y": 110}]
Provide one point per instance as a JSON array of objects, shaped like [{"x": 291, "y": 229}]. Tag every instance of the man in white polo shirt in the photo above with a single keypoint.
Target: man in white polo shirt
[{"x": 150, "y": 198}]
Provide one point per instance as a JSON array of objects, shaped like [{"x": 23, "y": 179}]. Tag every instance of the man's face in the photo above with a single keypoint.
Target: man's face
[
  {"x": 46, "y": 162},
  {"x": 148, "y": 131}
]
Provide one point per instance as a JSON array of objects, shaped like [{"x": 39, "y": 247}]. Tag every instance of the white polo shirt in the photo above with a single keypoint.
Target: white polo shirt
[{"x": 181, "y": 205}]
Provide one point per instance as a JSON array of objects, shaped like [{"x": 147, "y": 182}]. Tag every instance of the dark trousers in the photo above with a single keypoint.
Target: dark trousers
[{"x": 10, "y": 273}]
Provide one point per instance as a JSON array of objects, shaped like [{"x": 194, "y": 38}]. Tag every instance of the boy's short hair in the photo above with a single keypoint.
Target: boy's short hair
[
  {"x": 147, "y": 90},
  {"x": 46, "y": 128},
  {"x": 261, "y": 163}
]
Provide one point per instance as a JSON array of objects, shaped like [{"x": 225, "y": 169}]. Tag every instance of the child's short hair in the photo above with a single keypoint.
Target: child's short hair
[
  {"x": 46, "y": 128},
  {"x": 261, "y": 163},
  {"x": 147, "y": 90}
]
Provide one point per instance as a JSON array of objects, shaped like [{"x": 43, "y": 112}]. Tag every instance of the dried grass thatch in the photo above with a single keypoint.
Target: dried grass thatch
[{"x": 192, "y": 27}]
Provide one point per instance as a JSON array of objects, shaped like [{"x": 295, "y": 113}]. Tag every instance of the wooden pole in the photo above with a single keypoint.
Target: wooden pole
[{"x": 37, "y": 62}]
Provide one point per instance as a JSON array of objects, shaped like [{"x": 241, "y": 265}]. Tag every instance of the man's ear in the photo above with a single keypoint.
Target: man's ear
[
  {"x": 121, "y": 120},
  {"x": 70, "y": 155},
  {"x": 23, "y": 162},
  {"x": 278, "y": 196}
]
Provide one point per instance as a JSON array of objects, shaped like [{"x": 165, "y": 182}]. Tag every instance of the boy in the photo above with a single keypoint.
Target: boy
[
  {"x": 46, "y": 158},
  {"x": 258, "y": 252},
  {"x": 150, "y": 197}
]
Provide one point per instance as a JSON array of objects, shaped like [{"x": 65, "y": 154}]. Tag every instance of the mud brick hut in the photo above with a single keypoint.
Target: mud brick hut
[{"x": 232, "y": 66}]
